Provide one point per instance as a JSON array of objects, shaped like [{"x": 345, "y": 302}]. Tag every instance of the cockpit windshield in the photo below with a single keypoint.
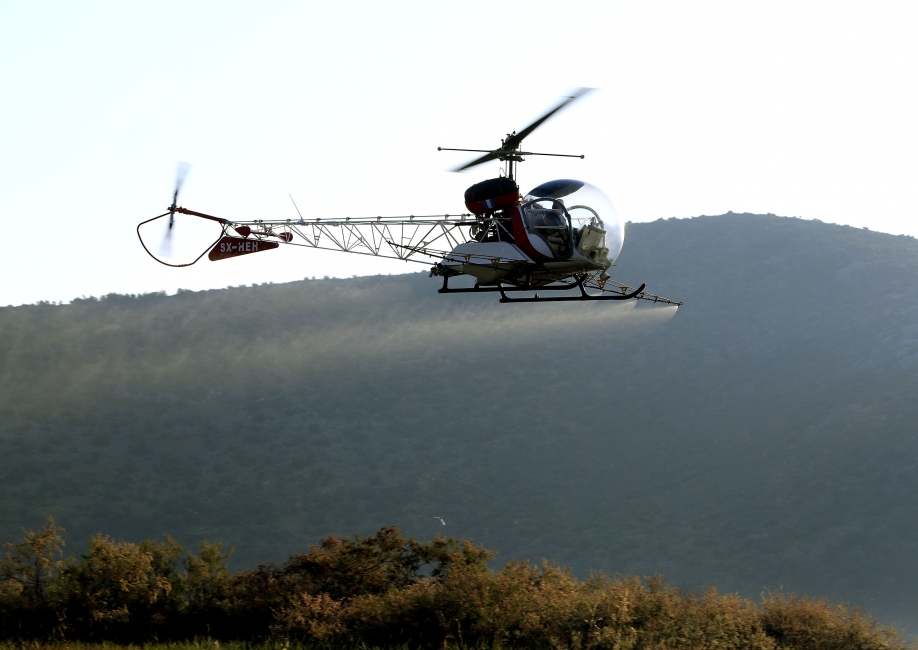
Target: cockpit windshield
[
  {"x": 595, "y": 228},
  {"x": 545, "y": 214},
  {"x": 549, "y": 220}
]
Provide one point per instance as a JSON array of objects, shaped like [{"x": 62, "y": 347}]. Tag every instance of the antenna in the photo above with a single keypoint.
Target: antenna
[{"x": 302, "y": 220}]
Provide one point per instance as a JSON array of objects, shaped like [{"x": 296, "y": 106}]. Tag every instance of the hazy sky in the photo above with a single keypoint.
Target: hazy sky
[{"x": 795, "y": 108}]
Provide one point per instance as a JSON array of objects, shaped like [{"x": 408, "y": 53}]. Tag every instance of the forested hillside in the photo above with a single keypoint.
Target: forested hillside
[{"x": 762, "y": 435}]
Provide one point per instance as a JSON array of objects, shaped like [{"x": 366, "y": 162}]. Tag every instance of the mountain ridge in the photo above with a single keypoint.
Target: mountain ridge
[{"x": 756, "y": 437}]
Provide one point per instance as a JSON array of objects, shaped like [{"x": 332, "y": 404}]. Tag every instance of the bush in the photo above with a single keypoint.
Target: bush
[
  {"x": 816, "y": 623},
  {"x": 121, "y": 590},
  {"x": 30, "y": 582},
  {"x": 389, "y": 591}
]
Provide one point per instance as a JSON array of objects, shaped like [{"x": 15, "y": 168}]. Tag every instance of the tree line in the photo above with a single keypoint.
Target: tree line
[{"x": 386, "y": 590}]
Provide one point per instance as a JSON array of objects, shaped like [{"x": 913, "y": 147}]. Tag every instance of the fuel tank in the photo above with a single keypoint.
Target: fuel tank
[{"x": 493, "y": 194}]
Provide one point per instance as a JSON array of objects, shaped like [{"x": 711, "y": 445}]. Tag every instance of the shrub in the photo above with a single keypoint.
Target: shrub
[
  {"x": 801, "y": 622},
  {"x": 121, "y": 590},
  {"x": 29, "y": 578},
  {"x": 390, "y": 591}
]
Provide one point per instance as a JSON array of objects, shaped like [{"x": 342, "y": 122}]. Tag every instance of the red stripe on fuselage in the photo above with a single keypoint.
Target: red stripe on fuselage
[{"x": 521, "y": 237}]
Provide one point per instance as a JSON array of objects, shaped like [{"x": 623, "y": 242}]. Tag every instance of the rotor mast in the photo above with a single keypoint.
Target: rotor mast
[{"x": 511, "y": 157}]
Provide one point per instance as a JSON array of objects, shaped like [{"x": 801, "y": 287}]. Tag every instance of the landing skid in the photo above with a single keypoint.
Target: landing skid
[{"x": 584, "y": 296}]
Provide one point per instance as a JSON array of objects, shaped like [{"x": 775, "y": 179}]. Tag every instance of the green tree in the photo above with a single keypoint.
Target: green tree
[
  {"x": 120, "y": 588},
  {"x": 29, "y": 570},
  {"x": 206, "y": 577},
  {"x": 342, "y": 567}
]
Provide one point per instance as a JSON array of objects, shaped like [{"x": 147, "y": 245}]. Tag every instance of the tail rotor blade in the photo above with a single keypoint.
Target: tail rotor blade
[
  {"x": 165, "y": 248},
  {"x": 180, "y": 174}
]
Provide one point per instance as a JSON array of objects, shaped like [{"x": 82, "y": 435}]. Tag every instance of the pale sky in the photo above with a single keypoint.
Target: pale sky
[{"x": 794, "y": 108}]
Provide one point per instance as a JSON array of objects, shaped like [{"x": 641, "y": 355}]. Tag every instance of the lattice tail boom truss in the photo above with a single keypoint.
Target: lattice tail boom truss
[{"x": 402, "y": 238}]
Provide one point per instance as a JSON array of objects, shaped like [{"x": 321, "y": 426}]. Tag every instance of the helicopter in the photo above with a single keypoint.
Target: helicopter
[{"x": 561, "y": 236}]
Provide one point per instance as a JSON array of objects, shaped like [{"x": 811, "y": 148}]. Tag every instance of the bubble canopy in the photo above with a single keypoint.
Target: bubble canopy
[{"x": 585, "y": 204}]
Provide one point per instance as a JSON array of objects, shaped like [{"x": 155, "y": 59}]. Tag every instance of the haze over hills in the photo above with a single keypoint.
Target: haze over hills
[{"x": 762, "y": 435}]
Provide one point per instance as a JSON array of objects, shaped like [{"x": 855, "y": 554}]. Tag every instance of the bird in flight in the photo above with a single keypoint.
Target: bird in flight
[{"x": 441, "y": 520}]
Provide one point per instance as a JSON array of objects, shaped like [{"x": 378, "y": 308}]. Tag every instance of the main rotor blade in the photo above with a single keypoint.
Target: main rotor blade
[
  {"x": 514, "y": 140},
  {"x": 485, "y": 158}
]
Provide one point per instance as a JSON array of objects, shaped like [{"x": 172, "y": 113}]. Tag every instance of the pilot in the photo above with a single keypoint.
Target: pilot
[{"x": 556, "y": 234}]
